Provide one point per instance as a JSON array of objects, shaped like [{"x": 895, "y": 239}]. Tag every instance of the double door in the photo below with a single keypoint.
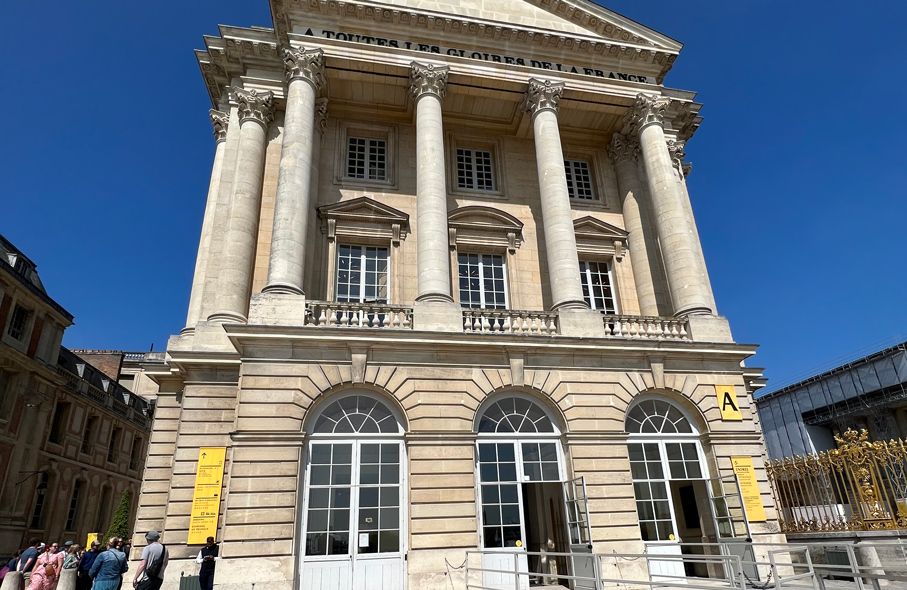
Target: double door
[{"x": 353, "y": 519}]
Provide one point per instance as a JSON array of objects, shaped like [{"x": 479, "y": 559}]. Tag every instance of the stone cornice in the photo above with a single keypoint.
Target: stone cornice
[
  {"x": 428, "y": 79},
  {"x": 302, "y": 64},
  {"x": 542, "y": 95},
  {"x": 254, "y": 105},
  {"x": 220, "y": 121},
  {"x": 623, "y": 149}
]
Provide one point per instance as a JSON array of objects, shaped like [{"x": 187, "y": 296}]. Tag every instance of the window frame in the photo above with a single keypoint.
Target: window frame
[
  {"x": 570, "y": 168},
  {"x": 362, "y": 272},
  {"x": 473, "y": 155},
  {"x": 456, "y": 142},
  {"x": 601, "y": 176},
  {"x": 345, "y": 130},
  {"x": 25, "y": 315},
  {"x": 586, "y": 274},
  {"x": 482, "y": 292}
]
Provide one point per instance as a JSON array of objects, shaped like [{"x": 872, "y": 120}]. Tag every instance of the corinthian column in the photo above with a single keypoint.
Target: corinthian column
[
  {"x": 427, "y": 88},
  {"x": 623, "y": 152},
  {"x": 541, "y": 102},
  {"x": 687, "y": 276},
  {"x": 220, "y": 121},
  {"x": 305, "y": 75},
  {"x": 234, "y": 281}
]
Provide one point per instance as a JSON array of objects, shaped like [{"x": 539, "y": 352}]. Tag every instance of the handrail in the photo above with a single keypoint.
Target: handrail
[
  {"x": 509, "y": 321},
  {"x": 359, "y": 315},
  {"x": 646, "y": 327}
]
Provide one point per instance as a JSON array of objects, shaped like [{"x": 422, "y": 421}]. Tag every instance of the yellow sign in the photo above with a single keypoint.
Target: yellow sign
[
  {"x": 206, "y": 499},
  {"x": 727, "y": 402},
  {"x": 749, "y": 488},
  {"x": 89, "y": 539}
]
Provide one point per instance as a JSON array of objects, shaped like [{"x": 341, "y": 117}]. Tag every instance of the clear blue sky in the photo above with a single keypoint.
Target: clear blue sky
[{"x": 798, "y": 175}]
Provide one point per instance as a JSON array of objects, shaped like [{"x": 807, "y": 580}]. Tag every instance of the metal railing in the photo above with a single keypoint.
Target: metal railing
[
  {"x": 645, "y": 327},
  {"x": 508, "y": 321},
  {"x": 861, "y": 485}
]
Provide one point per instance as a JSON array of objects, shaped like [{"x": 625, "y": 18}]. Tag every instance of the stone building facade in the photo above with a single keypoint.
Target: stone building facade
[
  {"x": 72, "y": 439},
  {"x": 449, "y": 296}
]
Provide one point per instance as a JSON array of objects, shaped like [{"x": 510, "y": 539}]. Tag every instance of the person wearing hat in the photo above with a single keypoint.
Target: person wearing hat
[
  {"x": 83, "y": 580},
  {"x": 150, "y": 573}
]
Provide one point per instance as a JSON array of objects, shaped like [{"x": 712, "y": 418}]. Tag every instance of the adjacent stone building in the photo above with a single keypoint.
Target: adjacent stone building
[
  {"x": 449, "y": 296},
  {"x": 72, "y": 439}
]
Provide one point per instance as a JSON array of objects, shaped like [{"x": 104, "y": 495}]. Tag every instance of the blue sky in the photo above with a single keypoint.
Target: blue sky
[{"x": 798, "y": 169}]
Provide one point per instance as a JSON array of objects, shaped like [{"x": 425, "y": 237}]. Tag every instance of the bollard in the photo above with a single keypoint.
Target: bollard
[
  {"x": 67, "y": 580},
  {"x": 12, "y": 581}
]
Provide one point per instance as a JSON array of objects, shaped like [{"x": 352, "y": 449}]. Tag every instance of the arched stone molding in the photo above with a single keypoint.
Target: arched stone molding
[
  {"x": 329, "y": 396},
  {"x": 677, "y": 398},
  {"x": 553, "y": 410}
]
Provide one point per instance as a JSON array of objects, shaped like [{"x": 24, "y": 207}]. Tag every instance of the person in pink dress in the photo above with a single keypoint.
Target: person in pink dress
[{"x": 40, "y": 580}]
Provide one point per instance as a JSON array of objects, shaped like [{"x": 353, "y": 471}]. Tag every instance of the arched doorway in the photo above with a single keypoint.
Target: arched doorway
[
  {"x": 527, "y": 504},
  {"x": 670, "y": 482},
  {"x": 353, "y": 525}
]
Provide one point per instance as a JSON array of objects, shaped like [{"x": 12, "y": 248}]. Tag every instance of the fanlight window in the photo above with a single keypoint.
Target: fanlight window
[
  {"x": 655, "y": 416},
  {"x": 515, "y": 414},
  {"x": 357, "y": 414}
]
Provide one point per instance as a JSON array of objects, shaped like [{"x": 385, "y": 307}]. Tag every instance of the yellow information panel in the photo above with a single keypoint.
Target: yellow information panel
[
  {"x": 749, "y": 488},
  {"x": 88, "y": 540},
  {"x": 727, "y": 402},
  {"x": 206, "y": 500}
]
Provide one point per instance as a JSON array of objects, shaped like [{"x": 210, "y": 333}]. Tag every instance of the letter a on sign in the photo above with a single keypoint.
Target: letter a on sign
[{"x": 727, "y": 402}]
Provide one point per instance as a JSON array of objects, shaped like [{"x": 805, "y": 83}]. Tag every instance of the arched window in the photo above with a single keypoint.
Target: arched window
[
  {"x": 515, "y": 414},
  {"x": 356, "y": 414},
  {"x": 656, "y": 416}
]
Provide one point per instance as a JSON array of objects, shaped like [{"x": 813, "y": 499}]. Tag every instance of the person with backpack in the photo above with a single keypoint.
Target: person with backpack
[
  {"x": 150, "y": 573},
  {"x": 109, "y": 566}
]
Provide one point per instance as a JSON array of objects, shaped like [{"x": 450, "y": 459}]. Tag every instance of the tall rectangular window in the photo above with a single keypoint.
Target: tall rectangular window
[
  {"x": 73, "y": 505},
  {"x": 366, "y": 158},
  {"x": 474, "y": 169},
  {"x": 579, "y": 180},
  {"x": 482, "y": 281},
  {"x": 57, "y": 426},
  {"x": 135, "y": 453},
  {"x": 362, "y": 274},
  {"x": 87, "y": 434},
  {"x": 112, "y": 449},
  {"x": 18, "y": 322},
  {"x": 597, "y": 291},
  {"x": 41, "y": 496}
]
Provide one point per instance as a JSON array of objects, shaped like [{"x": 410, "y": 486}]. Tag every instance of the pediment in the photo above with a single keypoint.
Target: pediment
[
  {"x": 596, "y": 237},
  {"x": 476, "y": 225},
  {"x": 364, "y": 217}
]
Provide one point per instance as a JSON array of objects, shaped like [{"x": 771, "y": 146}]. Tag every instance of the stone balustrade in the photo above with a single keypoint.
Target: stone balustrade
[
  {"x": 647, "y": 328},
  {"x": 509, "y": 321},
  {"x": 359, "y": 315}
]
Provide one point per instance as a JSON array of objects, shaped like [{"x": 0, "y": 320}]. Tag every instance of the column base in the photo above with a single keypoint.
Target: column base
[
  {"x": 570, "y": 304},
  {"x": 188, "y": 330},
  {"x": 226, "y": 317},
  {"x": 282, "y": 289},
  {"x": 277, "y": 309},
  {"x": 435, "y": 298},
  {"x": 437, "y": 316},
  {"x": 695, "y": 310}
]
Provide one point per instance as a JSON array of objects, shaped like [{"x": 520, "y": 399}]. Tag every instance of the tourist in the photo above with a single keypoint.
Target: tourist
[
  {"x": 108, "y": 567},
  {"x": 29, "y": 555},
  {"x": 13, "y": 563},
  {"x": 83, "y": 580},
  {"x": 71, "y": 561},
  {"x": 46, "y": 572},
  {"x": 207, "y": 557},
  {"x": 150, "y": 573}
]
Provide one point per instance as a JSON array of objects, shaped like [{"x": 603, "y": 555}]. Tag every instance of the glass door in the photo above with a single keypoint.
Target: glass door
[{"x": 580, "y": 534}]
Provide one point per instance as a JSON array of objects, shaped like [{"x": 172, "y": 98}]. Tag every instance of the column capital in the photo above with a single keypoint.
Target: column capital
[
  {"x": 542, "y": 95},
  {"x": 647, "y": 110},
  {"x": 254, "y": 105},
  {"x": 623, "y": 149},
  {"x": 675, "y": 149},
  {"x": 428, "y": 79},
  {"x": 304, "y": 64},
  {"x": 220, "y": 120},
  {"x": 321, "y": 114}
]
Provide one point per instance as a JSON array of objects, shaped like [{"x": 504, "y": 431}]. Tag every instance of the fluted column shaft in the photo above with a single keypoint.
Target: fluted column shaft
[
  {"x": 427, "y": 89},
  {"x": 687, "y": 276},
  {"x": 220, "y": 122},
  {"x": 234, "y": 280},
  {"x": 305, "y": 75},
  {"x": 541, "y": 102},
  {"x": 622, "y": 152}
]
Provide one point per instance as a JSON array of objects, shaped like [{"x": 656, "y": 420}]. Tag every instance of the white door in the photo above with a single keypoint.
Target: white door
[
  {"x": 731, "y": 525},
  {"x": 353, "y": 516},
  {"x": 580, "y": 534}
]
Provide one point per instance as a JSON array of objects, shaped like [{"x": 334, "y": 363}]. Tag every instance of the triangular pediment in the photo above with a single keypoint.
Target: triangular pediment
[
  {"x": 595, "y": 229},
  {"x": 363, "y": 209}
]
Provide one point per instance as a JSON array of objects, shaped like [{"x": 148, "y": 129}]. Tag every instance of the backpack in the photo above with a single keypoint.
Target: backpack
[{"x": 154, "y": 569}]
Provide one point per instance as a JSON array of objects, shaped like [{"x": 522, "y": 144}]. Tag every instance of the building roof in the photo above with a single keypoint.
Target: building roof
[{"x": 23, "y": 270}]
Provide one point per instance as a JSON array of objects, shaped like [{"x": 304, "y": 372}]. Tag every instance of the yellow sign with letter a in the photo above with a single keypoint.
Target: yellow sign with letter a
[
  {"x": 749, "y": 488},
  {"x": 727, "y": 402},
  {"x": 206, "y": 499}
]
